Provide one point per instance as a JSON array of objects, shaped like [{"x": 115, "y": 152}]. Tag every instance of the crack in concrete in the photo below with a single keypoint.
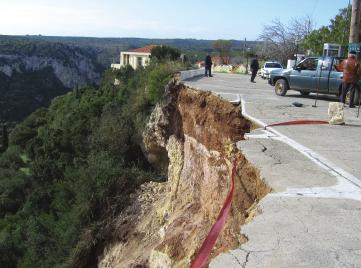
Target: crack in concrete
[
  {"x": 263, "y": 251},
  {"x": 264, "y": 149},
  {"x": 278, "y": 161},
  {"x": 274, "y": 157},
  {"x": 235, "y": 257},
  {"x": 337, "y": 258},
  {"x": 246, "y": 261},
  {"x": 303, "y": 224},
  {"x": 305, "y": 227}
]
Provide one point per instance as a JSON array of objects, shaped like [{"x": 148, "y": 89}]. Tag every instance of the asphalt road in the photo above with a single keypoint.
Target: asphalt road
[
  {"x": 340, "y": 144},
  {"x": 312, "y": 218}
]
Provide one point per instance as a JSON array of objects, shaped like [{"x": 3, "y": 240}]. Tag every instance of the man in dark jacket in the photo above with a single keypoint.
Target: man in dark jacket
[
  {"x": 351, "y": 68},
  {"x": 208, "y": 65},
  {"x": 254, "y": 68}
]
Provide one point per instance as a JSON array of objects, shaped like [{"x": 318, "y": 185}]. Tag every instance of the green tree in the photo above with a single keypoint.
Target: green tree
[
  {"x": 70, "y": 169},
  {"x": 336, "y": 32},
  {"x": 165, "y": 53},
  {"x": 157, "y": 79},
  {"x": 223, "y": 47},
  {"x": 5, "y": 139}
]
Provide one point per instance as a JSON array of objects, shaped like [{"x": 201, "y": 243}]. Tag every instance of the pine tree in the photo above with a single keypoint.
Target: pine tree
[{"x": 5, "y": 138}]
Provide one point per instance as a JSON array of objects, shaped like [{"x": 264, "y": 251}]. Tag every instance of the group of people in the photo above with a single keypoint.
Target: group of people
[
  {"x": 351, "y": 74},
  {"x": 208, "y": 67}
]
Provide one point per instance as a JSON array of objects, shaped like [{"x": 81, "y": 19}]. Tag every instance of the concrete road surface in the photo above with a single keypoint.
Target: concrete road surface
[{"x": 312, "y": 218}]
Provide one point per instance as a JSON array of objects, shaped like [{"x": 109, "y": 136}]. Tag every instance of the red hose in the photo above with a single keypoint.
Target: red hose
[
  {"x": 298, "y": 122},
  {"x": 205, "y": 251}
]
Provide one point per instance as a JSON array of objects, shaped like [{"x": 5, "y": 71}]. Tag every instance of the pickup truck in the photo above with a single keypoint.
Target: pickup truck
[{"x": 314, "y": 74}]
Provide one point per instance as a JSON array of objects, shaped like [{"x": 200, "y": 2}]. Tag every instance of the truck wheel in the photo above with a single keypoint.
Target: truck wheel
[
  {"x": 305, "y": 93},
  {"x": 281, "y": 87}
]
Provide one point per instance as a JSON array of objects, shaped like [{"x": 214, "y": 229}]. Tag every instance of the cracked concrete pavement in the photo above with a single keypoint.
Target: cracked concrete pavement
[{"x": 312, "y": 218}]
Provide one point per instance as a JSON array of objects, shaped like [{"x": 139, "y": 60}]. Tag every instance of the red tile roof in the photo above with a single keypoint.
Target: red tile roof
[{"x": 147, "y": 49}]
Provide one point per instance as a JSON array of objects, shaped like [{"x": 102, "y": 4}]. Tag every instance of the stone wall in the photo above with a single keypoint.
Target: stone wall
[{"x": 184, "y": 75}]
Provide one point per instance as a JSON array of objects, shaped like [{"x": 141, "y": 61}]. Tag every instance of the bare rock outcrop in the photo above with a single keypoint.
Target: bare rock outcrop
[{"x": 75, "y": 70}]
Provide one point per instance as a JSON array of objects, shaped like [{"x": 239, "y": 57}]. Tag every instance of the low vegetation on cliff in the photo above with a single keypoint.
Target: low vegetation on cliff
[{"x": 71, "y": 167}]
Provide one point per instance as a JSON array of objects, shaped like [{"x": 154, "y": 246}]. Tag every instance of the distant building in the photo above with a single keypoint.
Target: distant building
[{"x": 135, "y": 58}]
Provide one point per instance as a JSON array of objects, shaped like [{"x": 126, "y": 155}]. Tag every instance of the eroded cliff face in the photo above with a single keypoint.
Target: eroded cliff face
[
  {"x": 28, "y": 82},
  {"x": 190, "y": 138},
  {"x": 76, "y": 70}
]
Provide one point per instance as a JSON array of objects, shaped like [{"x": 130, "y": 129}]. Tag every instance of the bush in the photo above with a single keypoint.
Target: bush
[
  {"x": 165, "y": 53},
  {"x": 158, "y": 77},
  {"x": 28, "y": 129},
  {"x": 71, "y": 168}
]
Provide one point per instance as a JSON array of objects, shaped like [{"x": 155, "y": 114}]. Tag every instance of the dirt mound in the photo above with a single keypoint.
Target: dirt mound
[
  {"x": 136, "y": 229},
  {"x": 193, "y": 135}
]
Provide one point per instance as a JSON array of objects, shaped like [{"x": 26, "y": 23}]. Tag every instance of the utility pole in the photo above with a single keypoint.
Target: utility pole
[
  {"x": 244, "y": 48},
  {"x": 355, "y": 22},
  {"x": 245, "y": 53}
]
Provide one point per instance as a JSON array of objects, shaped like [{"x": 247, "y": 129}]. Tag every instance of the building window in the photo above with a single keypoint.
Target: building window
[
  {"x": 139, "y": 61},
  {"x": 309, "y": 64}
]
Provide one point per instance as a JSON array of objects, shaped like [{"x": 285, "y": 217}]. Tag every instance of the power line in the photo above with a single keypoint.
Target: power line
[{"x": 314, "y": 8}]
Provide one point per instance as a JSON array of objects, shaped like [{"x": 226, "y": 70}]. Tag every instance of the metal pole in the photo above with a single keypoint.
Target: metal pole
[
  {"x": 247, "y": 65},
  {"x": 355, "y": 22},
  {"x": 296, "y": 41},
  {"x": 318, "y": 86},
  {"x": 354, "y": 30},
  {"x": 359, "y": 102},
  {"x": 244, "y": 48},
  {"x": 246, "y": 53}
]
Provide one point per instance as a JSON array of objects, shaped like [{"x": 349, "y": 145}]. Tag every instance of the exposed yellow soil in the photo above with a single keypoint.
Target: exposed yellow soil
[{"x": 167, "y": 223}]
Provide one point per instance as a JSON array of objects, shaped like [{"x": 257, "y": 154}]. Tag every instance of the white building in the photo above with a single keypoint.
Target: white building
[{"x": 135, "y": 58}]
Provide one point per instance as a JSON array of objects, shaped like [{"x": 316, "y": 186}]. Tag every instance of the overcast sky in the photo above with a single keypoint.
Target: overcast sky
[{"x": 201, "y": 19}]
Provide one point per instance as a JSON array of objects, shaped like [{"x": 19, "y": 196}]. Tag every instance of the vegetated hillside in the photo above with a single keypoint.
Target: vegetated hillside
[
  {"x": 70, "y": 169},
  {"x": 21, "y": 94},
  {"x": 32, "y": 72},
  {"x": 35, "y": 69},
  {"x": 108, "y": 49}
]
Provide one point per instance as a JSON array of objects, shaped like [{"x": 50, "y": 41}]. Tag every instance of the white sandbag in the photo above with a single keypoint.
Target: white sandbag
[{"x": 335, "y": 113}]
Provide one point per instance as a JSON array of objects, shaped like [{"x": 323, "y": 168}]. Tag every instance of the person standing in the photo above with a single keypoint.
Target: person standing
[
  {"x": 254, "y": 68},
  {"x": 208, "y": 65},
  {"x": 351, "y": 67}
]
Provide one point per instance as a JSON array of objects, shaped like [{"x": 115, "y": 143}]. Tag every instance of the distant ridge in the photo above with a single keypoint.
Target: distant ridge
[{"x": 108, "y": 48}]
